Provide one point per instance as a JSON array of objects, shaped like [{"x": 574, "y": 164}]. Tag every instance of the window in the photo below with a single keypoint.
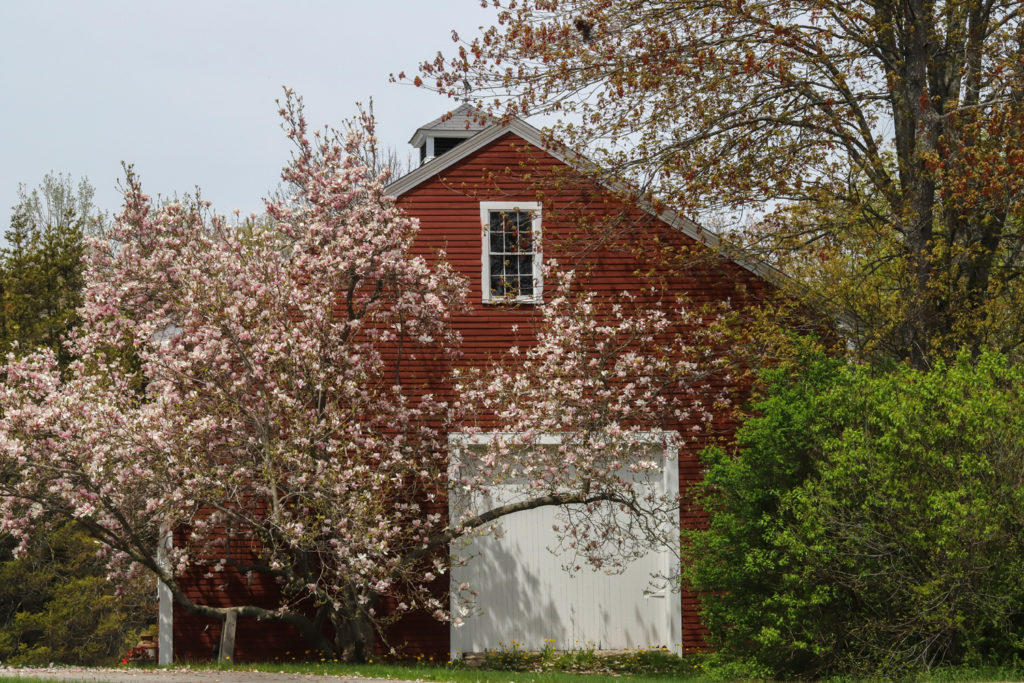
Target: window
[{"x": 511, "y": 252}]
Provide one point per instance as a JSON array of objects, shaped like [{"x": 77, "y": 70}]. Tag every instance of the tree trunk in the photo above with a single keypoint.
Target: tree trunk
[
  {"x": 310, "y": 629},
  {"x": 353, "y": 636}
]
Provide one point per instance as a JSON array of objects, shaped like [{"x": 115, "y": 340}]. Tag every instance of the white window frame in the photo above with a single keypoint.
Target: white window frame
[{"x": 534, "y": 208}]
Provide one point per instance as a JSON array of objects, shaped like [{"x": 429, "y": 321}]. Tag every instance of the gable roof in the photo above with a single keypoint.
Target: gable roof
[
  {"x": 485, "y": 132},
  {"x": 463, "y": 122}
]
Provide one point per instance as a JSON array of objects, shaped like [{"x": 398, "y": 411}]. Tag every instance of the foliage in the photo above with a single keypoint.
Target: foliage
[
  {"x": 55, "y": 604},
  {"x": 41, "y": 265},
  {"x": 58, "y": 607},
  {"x": 869, "y": 522},
  {"x": 754, "y": 105},
  {"x": 513, "y": 657},
  {"x": 852, "y": 268},
  {"x": 289, "y": 426}
]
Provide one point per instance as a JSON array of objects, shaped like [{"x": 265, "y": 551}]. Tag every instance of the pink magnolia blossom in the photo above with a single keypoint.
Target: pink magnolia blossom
[
  {"x": 242, "y": 387},
  {"x": 238, "y": 381}
]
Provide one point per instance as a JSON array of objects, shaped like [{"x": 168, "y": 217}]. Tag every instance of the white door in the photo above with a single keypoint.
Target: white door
[{"x": 525, "y": 595}]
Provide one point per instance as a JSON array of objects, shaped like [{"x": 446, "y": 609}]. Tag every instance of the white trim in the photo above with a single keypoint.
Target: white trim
[
  {"x": 670, "y": 474},
  {"x": 165, "y": 639},
  {"x": 534, "y": 208},
  {"x": 548, "y": 439}
]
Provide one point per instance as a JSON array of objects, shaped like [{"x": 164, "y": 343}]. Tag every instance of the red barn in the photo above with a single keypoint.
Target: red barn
[{"x": 500, "y": 202}]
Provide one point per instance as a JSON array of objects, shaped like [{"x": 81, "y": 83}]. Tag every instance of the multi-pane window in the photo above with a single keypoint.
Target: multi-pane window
[{"x": 511, "y": 258}]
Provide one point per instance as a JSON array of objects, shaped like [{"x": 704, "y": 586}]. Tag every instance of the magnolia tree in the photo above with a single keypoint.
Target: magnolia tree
[
  {"x": 578, "y": 420},
  {"x": 239, "y": 390}
]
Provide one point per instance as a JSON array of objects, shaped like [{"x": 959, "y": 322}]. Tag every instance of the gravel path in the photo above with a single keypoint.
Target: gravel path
[{"x": 171, "y": 676}]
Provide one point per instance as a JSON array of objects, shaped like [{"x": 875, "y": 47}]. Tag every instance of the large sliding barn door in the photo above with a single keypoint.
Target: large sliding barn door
[{"x": 526, "y": 597}]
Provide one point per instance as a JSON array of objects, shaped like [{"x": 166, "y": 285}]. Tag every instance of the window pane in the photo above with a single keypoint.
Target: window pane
[
  {"x": 526, "y": 285},
  {"x": 514, "y": 243},
  {"x": 497, "y": 287},
  {"x": 497, "y": 221},
  {"x": 497, "y": 283},
  {"x": 526, "y": 266},
  {"x": 497, "y": 241},
  {"x": 511, "y": 232},
  {"x": 526, "y": 242}
]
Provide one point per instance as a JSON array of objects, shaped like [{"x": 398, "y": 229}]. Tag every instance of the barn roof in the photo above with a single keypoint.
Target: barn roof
[
  {"x": 480, "y": 131},
  {"x": 463, "y": 122}
]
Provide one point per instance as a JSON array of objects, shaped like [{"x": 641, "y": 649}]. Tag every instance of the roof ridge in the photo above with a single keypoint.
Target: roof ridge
[{"x": 464, "y": 118}]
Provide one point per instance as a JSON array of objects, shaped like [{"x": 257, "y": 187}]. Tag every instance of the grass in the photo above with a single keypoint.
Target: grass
[
  {"x": 689, "y": 669},
  {"x": 972, "y": 674},
  {"x": 409, "y": 673},
  {"x": 584, "y": 667},
  {"x": 455, "y": 673},
  {"x": 513, "y": 657},
  {"x": 510, "y": 664},
  {"x": 515, "y": 665}
]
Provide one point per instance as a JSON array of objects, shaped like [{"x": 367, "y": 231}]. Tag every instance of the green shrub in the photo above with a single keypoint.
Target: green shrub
[
  {"x": 56, "y": 606},
  {"x": 869, "y": 522},
  {"x": 513, "y": 657}
]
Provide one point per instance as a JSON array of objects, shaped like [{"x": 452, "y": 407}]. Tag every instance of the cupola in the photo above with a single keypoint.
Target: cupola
[{"x": 446, "y": 132}]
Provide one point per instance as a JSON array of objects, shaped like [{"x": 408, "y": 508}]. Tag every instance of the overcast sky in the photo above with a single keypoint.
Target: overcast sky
[{"x": 185, "y": 90}]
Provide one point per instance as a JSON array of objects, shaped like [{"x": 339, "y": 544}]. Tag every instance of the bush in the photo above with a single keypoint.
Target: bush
[
  {"x": 869, "y": 522},
  {"x": 56, "y": 606},
  {"x": 514, "y": 657}
]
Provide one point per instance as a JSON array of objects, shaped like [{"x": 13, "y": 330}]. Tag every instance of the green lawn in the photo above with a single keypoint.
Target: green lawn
[
  {"x": 458, "y": 674},
  {"x": 689, "y": 669}
]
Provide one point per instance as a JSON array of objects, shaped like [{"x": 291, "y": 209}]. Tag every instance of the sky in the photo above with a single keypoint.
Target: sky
[{"x": 185, "y": 90}]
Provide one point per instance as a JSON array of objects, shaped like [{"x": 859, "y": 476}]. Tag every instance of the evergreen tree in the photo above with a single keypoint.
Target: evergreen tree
[
  {"x": 55, "y": 604},
  {"x": 41, "y": 265}
]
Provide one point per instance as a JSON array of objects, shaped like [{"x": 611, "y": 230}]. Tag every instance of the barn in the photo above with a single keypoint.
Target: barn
[{"x": 500, "y": 201}]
